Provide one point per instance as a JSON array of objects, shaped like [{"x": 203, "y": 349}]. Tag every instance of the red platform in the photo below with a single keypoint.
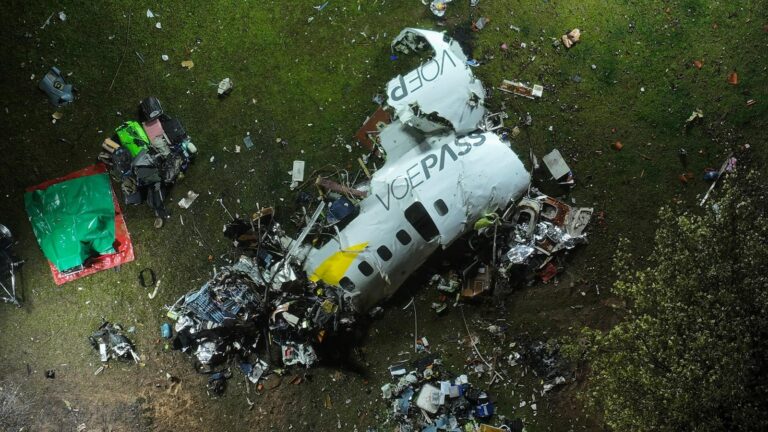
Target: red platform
[{"x": 122, "y": 244}]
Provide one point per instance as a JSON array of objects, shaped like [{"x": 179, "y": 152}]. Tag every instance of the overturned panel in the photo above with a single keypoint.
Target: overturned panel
[{"x": 442, "y": 94}]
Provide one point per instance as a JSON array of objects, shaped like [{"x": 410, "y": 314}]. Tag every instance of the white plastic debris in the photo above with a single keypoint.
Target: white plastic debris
[
  {"x": 225, "y": 87},
  {"x": 188, "y": 200},
  {"x": 165, "y": 57},
  {"x": 62, "y": 16},
  {"x": 150, "y": 14},
  {"x": 556, "y": 164},
  {"x": 428, "y": 398},
  {"x": 158, "y": 25},
  {"x": 297, "y": 174}
]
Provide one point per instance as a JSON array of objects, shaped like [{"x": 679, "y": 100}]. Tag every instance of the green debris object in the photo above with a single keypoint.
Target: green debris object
[
  {"x": 486, "y": 221},
  {"x": 132, "y": 136},
  {"x": 73, "y": 220}
]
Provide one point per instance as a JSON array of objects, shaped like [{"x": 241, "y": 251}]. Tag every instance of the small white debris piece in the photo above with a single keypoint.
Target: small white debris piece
[
  {"x": 165, "y": 57},
  {"x": 556, "y": 164},
  {"x": 158, "y": 25},
  {"x": 237, "y": 149},
  {"x": 298, "y": 170},
  {"x": 212, "y": 158},
  {"x": 188, "y": 200},
  {"x": 696, "y": 114},
  {"x": 150, "y": 14},
  {"x": 62, "y": 16},
  {"x": 225, "y": 87},
  {"x": 48, "y": 21},
  {"x": 297, "y": 174}
]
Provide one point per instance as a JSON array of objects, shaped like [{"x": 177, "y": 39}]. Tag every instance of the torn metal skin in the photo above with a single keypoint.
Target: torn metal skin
[{"x": 441, "y": 93}]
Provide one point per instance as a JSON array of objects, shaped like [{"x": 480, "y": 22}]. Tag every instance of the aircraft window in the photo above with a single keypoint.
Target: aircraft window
[
  {"x": 441, "y": 208},
  {"x": 403, "y": 237},
  {"x": 347, "y": 284},
  {"x": 365, "y": 268},
  {"x": 419, "y": 219},
  {"x": 384, "y": 253}
]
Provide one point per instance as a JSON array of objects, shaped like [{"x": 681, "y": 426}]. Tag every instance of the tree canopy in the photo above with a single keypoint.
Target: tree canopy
[{"x": 692, "y": 350}]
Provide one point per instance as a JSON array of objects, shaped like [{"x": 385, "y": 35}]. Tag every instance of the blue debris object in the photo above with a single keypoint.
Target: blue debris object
[
  {"x": 711, "y": 175},
  {"x": 342, "y": 210},
  {"x": 165, "y": 330},
  {"x": 58, "y": 91},
  {"x": 404, "y": 402},
  {"x": 247, "y": 368},
  {"x": 484, "y": 410}
]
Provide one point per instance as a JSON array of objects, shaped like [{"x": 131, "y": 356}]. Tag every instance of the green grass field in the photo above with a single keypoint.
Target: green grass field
[{"x": 310, "y": 83}]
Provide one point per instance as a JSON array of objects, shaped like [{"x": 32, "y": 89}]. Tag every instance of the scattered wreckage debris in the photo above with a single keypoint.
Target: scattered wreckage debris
[
  {"x": 55, "y": 87},
  {"x": 297, "y": 173},
  {"x": 527, "y": 241},
  {"x": 225, "y": 87},
  {"x": 728, "y": 166},
  {"x": 111, "y": 343},
  {"x": 520, "y": 89},
  {"x": 559, "y": 168},
  {"x": 571, "y": 38},
  {"x": 437, "y": 7},
  {"x": 363, "y": 235},
  {"x": 367, "y": 135},
  {"x": 428, "y": 397},
  {"x": 537, "y": 228},
  {"x": 480, "y": 23},
  {"x": 147, "y": 158},
  {"x": 9, "y": 264},
  {"x": 696, "y": 115},
  {"x": 258, "y": 302},
  {"x": 494, "y": 122}
]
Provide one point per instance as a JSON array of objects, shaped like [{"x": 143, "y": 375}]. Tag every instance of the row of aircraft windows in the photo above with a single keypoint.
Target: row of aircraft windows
[{"x": 419, "y": 219}]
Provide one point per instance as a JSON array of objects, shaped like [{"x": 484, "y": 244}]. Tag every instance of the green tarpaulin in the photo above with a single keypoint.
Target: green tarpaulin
[{"x": 73, "y": 220}]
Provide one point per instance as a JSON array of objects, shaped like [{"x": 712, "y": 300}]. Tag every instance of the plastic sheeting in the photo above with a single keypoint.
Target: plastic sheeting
[{"x": 73, "y": 220}]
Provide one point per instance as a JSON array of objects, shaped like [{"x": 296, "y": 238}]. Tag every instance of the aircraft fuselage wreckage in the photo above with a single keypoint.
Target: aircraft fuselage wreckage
[{"x": 442, "y": 173}]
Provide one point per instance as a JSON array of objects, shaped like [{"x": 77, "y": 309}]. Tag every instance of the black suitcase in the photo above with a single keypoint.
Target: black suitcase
[
  {"x": 151, "y": 108},
  {"x": 174, "y": 130}
]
